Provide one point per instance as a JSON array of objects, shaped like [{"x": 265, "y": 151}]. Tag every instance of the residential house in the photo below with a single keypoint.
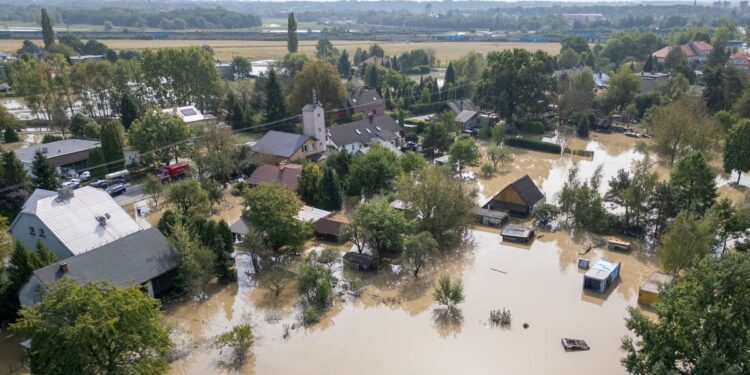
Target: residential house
[
  {"x": 518, "y": 198},
  {"x": 5, "y": 57},
  {"x": 651, "y": 81},
  {"x": 86, "y": 58},
  {"x": 467, "y": 120},
  {"x": 67, "y": 153},
  {"x": 241, "y": 227},
  {"x": 286, "y": 175},
  {"x": 311, "y": 144},
  {"x": 358, "y": 135},
  {"x": 696, "y": 52},
  {"x": 601, "y": 80},
  {"x": 191, "y": 115},
  {"x": 71, "y": 222},
  {"x": 366, "y": 102},
  {"x": 601, "y": 276},
  {"x": 740, "y": 61},
  {"x": 462, "y": 104},
  {"x": 141, "y": 258}
]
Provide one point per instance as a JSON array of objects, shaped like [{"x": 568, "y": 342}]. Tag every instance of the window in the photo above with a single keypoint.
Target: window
[
  {"x": 304, "y": 148},
  {"x": 41, "y": 232},
  {"x": 32, "y": 231}
]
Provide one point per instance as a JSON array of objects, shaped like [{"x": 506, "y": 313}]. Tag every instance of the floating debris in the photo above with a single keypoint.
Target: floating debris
[{"x": 574, "y": 344}]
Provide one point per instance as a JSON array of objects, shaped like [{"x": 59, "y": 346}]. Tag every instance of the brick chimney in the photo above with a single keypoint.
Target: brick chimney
[{"x": 63, "y": 267}]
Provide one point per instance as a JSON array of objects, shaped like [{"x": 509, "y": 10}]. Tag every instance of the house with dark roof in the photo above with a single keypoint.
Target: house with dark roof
[
  {"x": 286, "y": 175},
  {"x": 358, "y": 135},
  {"x": 518, "y": 198},
  {"x": 696, "y": 52},
  {"x": 328, "y": 229},
  {"x": 279, "y": 146},
  {"x": 651, "y": 81},
  {"x": 71, "y": 152},
  {"x": 142, "y": 258},
  {"x": 467, "y": 120},
  {"x": 462, "y": 105},
  {"x": 365, "y": 101}
]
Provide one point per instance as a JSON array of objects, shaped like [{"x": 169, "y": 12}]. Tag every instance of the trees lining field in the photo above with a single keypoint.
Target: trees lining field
[{"x": 257, "y": 49}]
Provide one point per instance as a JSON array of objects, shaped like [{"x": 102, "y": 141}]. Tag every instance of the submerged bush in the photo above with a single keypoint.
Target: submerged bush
[
  {"x": 500, "y": 317},
  {"x": 448, "y": 293},
  {"x": 310, "y": 315}
]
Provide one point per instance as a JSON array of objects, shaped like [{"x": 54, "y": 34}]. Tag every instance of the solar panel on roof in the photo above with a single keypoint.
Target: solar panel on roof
[{"x": 188, "y": 112}]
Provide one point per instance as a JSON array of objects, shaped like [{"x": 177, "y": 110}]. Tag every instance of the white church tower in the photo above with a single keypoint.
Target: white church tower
[{"x": 314, "y": 123}]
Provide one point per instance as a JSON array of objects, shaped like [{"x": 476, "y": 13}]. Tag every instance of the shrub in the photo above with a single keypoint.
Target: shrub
[
  {"x": 421, "y": 109},
  {"x": 487, "y": 169},
  {"x": 10, "y": 135},
  {"x": 447, "y": 292},
  {"x": 310, "y": 315},
  {"x": 531, "y": 127},
  {"x": 500, "y": 317},
  {"x": 545, "y": 213},
  {"x": 48, "y": 138},
  {"x": 531, "y": 144},
  {"x": 419, "y": 69}
]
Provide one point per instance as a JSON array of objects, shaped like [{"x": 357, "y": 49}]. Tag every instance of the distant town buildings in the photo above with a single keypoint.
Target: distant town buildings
[
  {"x": 696, "y": 52},
  {"x": 740, "y": 61}
]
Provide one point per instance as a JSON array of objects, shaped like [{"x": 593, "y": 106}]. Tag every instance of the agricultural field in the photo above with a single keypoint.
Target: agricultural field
[{"x": 256, "y": 50}]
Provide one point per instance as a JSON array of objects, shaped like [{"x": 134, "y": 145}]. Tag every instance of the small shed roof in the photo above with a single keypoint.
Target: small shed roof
[
  {"x": 601, "y": 269},
  {"x": 279, "y": 143},
  {"x": 656, "y": 280},
  {"x": 286, "y": 175},
  {"x": 500, "y": 215},
  {"x": 513, "y": 230},
  {"x": 312, "y": 214},
  {"x": 465, "y": 116}
]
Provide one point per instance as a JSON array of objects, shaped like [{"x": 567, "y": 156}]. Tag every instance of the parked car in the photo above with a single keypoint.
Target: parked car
[
  {"x": 116, "y": 190},
  {"x": 101, "y": 184},
  {"x": 72, "y": 184}
]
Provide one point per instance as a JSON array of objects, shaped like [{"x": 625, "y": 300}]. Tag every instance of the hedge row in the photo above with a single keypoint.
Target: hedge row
[
  {"x": 530, "y": 126},
  {"x": 423, "y": 109},
  {"x": 531, "y": 144}
]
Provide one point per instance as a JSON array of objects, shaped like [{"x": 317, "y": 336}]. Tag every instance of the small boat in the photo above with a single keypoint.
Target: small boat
[{"x": 574, "y": 344}]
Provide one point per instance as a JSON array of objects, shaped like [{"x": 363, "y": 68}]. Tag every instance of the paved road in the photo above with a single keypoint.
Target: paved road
[{"x": 133, "y": 193}]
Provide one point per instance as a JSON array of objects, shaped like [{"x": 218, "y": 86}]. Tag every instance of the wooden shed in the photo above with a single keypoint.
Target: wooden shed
[
  {"x": 517, "y": 233},
  {"x": 601, "y": 276},
  {"x": 518, "y": 198},
  {"x": 489, "y": 217},
  {"x": 649, "y": 291},
  {"x": 617, "y": 244},
  {"x": 328, "y": 229}
]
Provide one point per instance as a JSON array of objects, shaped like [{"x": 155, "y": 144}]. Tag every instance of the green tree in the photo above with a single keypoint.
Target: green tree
[
  {"x": 683, "y": 126},
  {"x": 309, "y": 181},
  {"x": 242, "y": 66},
  {"x": 344, "y": 66},
  {"x": 498, "y": 154},
  {"x": 736, "y": 147},
  {"x": 418, "y": 249},
  {"x": 675, "y": 58},
  {"x": 438, "y": 204},
  {"x": 81, "y": 320},
  {"x": 160, "y": 137},
  {"x": 322, "y": 77},
  {"x": 582, "y": 127},
  {"x": 153, "y": 187},
  {"x": 464, "y": 152},
  {"x": 568, "y": 58},
  {"x": 437, "y": 136},
  {"x": 48, "y": 34},
  {"x": 195, "y": 262},
  {"x": 129, "y": 110},
  {"x": 448, "y": 293},
  {"x": 188, "y": 196},
  {"x": 380, "y": 226},
  {"x": 43, "y": 172},
  {"x": 13, "y": 172},
  {"x": 372, "y": 172},
  {"x": 411, "y": 162},
  {"x": 96, "y": 163},
  {"x": 10, "y": 135},
  {"x": 376, "y": 50},
  {"x": 693, "y": 185},
  {"x": 240, "y": 340},
  {"x": 702, "y": 325},
  {"x": 292, "y": 43},
  {"x": 648, "y": 66},
  {"x": 324, "y": 50},
  {"x": 273, "y": 209},
  {"x": 516, "y": 81},
  {"x": 450, "y": 75},
  {"x": 293, "y": 63},
  {"x": 274, "y": 106},
  {"x": 623, "y": 86},
  {"x": 329, "y": 189},
  {"x": 113, "y": 138}
]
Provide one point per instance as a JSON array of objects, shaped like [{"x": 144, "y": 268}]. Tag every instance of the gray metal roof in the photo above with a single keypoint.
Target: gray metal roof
[
  {"x": 279, "y": 143},
  {"x": 500, "y": 215},
  {"x": 364, "y": 131},
  {"x": 74, "y": 222},
  {"x": 465, "y": 115},
  {"x": 55, "y": 149},
  {"x": 363, "y": 97},
  {"x": 131, "y": 260}
]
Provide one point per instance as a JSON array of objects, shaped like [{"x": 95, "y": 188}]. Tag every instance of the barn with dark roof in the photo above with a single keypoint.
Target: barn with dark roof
[{"x": 518, "y": 198}]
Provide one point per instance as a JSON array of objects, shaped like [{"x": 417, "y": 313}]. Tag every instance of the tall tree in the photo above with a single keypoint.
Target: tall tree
[
  {"x": 344, "y": 65},
  {"x": 329, "y": 190},
  {"x": 683, "y": 126},
  {"x": 381, "y": 226},
  {"x": 195, "y": 262},
  {"x": 516, "y": 81},
  {"x": 275, "y": 106},
  {"x": 273, "y": 210},
  {"x": 160, "y": 137},
  {"x": 322, "y": 77},
  {"x": 736, "y": 147},
  {"x": 48, "y": 34},
  {"x": 418, "y": 249},
  {"x": 129, "y": 110},
  {"x": 648, "y": 66},
  {"x": 309, "y": 181},
  {"x": 437, "y": 137},
  {"x": 292, "y": 43},
  {"x": 113, "y": 137},
  {"x": 693, "y": 185},
  {"x": 80, "y": 320},
  {"x": 623, "y": 86},
  {"x": 13, "y": 172},
  {"x": 242, "y": 66},
  {"x": 188, "y": 196},
  {"x": 372, "y": 172},
  {"x": 702, "y": 325},
  {"x": 450, "y": 75},
  {"x": 97, "y": 165},
  {"x": 464, "y": 152},
  {"x": 43, "y": 172}
]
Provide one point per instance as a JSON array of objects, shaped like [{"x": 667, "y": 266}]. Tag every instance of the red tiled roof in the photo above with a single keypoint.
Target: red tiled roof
[
  {"x": 690, "y": 49},
  {"x": 740, "y": 59},
  {"x": 286, "y": 175}
]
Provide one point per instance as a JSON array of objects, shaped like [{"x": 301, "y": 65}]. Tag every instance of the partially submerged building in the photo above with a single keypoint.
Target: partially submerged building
[
  {"x": 602, "y": 275},
  {"x": 489, "y": 217},
  {"x": 312, "y": 215},
  {"x": 328, "y": 229},
  {"x": 518, "y": 198},
  {"x": 517, "y": 233},
  {"x": 142, "y": 258},
  {"x": 648, "y": 293}
]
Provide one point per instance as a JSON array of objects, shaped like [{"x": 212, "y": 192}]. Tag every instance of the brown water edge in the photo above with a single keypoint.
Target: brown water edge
[{"x": 394, "y": 329}]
